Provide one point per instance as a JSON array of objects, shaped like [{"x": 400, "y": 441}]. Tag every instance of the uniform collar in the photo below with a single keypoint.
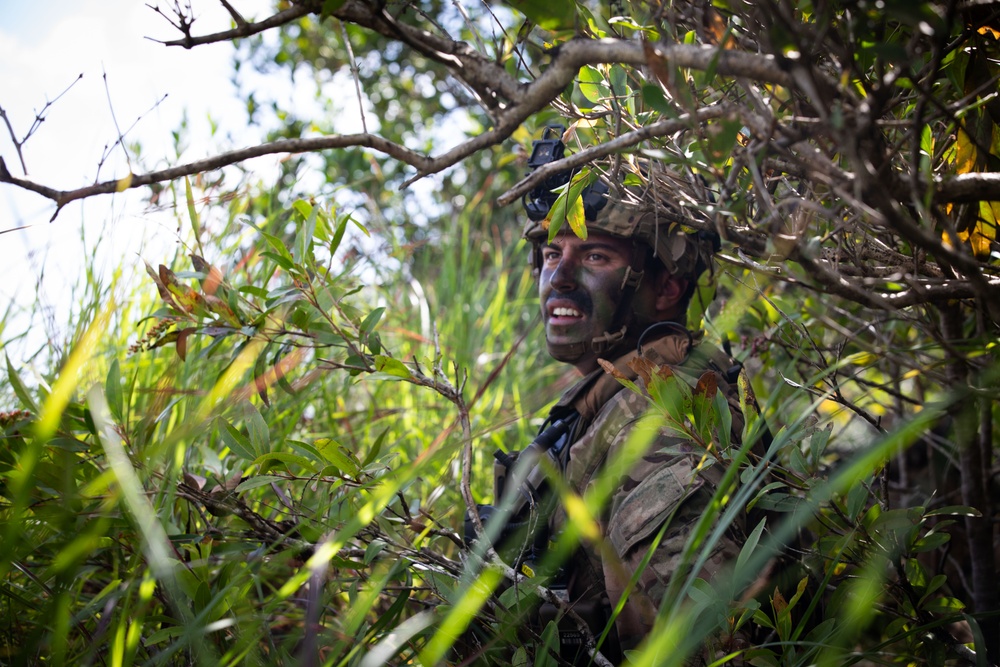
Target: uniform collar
[{"x": 591, "y": 392}]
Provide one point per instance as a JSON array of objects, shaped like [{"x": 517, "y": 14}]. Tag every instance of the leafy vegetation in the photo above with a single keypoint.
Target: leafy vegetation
[{"x": 263, "y": 453}]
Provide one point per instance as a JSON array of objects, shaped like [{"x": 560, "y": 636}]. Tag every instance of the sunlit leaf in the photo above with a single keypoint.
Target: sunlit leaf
[
  {"x": 237, "y": 443},
  {"x": 548, "y": 14}
]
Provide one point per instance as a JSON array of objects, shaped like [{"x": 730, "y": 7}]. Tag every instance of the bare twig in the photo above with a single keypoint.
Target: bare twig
[
  {"x": 120, "y": 141},
  {"x": 35, "y": 124},
  {"x": 283, "y": 17},
  {"x": 354, "y": 73}
]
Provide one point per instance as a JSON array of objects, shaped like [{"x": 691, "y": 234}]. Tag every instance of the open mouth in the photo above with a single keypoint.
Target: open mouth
[{"x": 564, "y": 313}]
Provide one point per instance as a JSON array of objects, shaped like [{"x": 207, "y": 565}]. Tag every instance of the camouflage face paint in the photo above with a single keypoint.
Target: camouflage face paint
[{"x": 579, "y": 287}]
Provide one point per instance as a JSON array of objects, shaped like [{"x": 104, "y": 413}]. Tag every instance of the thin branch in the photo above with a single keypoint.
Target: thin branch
[
  {"x": 355, "y": 74},
  {"x": 237, "y": 17},
  {"x": 616, "y": 145},
  {"x": 246, "y": 30},
  {"x": 35, "y": 124},
  {"x": 114, "y": 118},
  {"x": 63, "y": 197}
]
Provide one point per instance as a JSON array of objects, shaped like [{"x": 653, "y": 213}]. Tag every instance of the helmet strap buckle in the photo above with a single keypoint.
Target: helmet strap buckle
[
  {"x": 607, "y": 340},
  {"x": 632, "y": 278}
]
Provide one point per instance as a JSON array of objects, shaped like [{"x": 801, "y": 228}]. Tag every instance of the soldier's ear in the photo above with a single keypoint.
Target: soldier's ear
[{"x": 669, "y": 291}]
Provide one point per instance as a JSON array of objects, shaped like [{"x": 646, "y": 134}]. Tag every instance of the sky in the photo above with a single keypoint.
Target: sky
[{"x": 129, "y": 82}]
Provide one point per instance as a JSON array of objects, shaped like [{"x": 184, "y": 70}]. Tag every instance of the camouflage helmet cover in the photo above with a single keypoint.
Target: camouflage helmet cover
[{"x": 683, "y": 254}]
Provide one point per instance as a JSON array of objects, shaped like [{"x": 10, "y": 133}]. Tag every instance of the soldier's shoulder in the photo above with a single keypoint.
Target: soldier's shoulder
[{"x": 624, "y": 406}]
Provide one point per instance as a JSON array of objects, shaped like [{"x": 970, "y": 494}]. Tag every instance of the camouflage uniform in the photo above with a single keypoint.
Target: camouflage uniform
[
  {"x": 669, "y": 487},
  {"x": 665, "y": 484}
]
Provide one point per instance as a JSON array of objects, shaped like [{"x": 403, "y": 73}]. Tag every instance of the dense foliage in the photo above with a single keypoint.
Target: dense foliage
[{"x": 263, "y": 453}]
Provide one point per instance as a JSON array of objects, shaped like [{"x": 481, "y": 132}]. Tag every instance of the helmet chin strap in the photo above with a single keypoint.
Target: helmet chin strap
[{"x": 618, "y": 331}]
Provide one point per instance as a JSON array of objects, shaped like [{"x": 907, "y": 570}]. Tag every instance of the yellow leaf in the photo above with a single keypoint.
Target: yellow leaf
[
  {"x": 987, "y": 30},
  {"x": 965, "y": 156},
  {"x": 577, "y": 219},
  {"x": 980, "y": 246},
  {"x": 124, "y": 183},
  {"x": 582, "y": 519},
  {"x": 989, "y": 214},
  {"x": 861, "y": 359},
  {"x": 984, "y": 231}
]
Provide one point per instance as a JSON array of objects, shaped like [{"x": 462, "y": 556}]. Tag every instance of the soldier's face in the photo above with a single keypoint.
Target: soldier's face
[{"x": 579, "y": 288}]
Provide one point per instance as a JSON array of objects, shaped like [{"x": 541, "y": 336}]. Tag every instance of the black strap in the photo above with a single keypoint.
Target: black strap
[{"x": 661, "y": 329}]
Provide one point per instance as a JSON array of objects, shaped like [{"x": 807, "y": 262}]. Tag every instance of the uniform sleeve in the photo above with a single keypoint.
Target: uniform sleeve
[{"x": 659, "y": 501}]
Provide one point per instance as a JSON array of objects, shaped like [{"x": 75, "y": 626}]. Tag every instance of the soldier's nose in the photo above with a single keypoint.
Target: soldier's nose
[{"x": 564, "y": 276}]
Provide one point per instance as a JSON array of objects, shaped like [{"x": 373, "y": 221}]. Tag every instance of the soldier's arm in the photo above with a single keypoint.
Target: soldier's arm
[{"x": 658, "y": 503}]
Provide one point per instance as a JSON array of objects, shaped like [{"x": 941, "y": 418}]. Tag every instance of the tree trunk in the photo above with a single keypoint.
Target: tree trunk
[{"x": 975, "y": 454}]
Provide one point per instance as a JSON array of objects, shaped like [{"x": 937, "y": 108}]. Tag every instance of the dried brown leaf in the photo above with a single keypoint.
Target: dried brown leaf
[
  {"x": 664, "y": 372},
  {"x": 708, "y": 385},
  {"x": 643, "y": 367},
  {"x": 610, "y": 369}
]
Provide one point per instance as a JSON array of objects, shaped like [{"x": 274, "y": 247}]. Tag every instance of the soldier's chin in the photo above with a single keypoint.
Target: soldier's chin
[{"x": 565, "y": 352}]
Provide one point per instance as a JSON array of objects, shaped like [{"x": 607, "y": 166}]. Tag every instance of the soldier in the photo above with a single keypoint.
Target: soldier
[{"x": 620, "y": 293}]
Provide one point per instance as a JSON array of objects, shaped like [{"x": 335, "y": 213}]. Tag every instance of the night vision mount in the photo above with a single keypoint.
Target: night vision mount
[{"x": 541, "y": 198}]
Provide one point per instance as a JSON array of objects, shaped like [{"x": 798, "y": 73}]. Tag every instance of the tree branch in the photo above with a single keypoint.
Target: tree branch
[
  {"x": 63, "y": 197},
  {"x": 616, "y": 145},
  {"x": 244, "y": 30},
  {"x": 968, "y": 188}
]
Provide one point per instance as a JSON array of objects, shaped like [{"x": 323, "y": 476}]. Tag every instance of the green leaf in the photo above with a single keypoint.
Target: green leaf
[
  {"x": 856, "y": 499},
  {"x": 547, "y": 14},
  {"x": 375, "y": 449},
  {"x": 393, "y": 367},
  {"x": 237, "y": 443},
  {"x": 569, "y": 200},
  {"x": 330, "y": 450},
  {"x": 20, "y": 390},
  {"x": 338, "y": 234},
  {"x": 284, "y": 262},
  {"x": 192, "y": 211},
  {"x": 749, "y": 546},
  {"x": 304, "y": 239},
  {"x": 304, "y": 208},
  {"x": 945, "y": 605},
  {"x": 955, "y": 510},
  {"x": 549, "y": 648},
  {"x": 371, "y": 322},
  {"x": 260, "y": 438},
  {"x": 257, "y": 481},
  {"x": 329, "y": 7},
  {"x": 163, "y": 634},
  {"x": 673, "y": 396},
  {"x": 592, "y": 85},
  {"x": 284, "y": 457},
  {"x": 935, "y": 583},
  {"x": 113, "y": 391},
  {"x": 277, "y": 244},
  {"x": 762, "y": 619},
  {"x": 654, "y": 98},
  {"x": 619, "y": 80},
  {"x": 930, "y": 542},
  {"x": 817, "y": 444},
  {"x": 721, "y": 135},
  {"x": 373, "y": 550}
]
